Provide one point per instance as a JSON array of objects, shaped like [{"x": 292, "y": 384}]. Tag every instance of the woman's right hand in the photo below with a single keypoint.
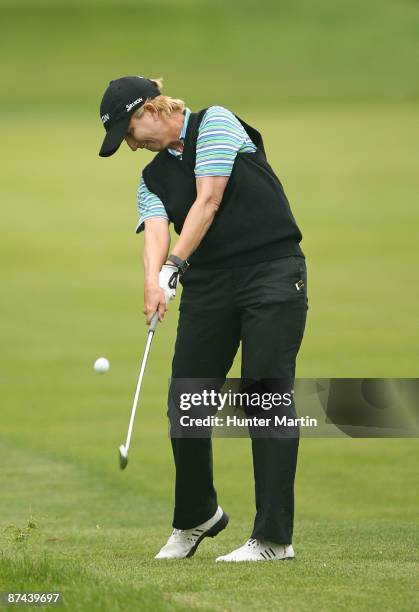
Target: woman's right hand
[{"x": 154, "y": 299}]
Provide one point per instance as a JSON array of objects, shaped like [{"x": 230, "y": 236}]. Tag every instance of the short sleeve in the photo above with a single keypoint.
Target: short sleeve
[
  {"x": 149, "y": 205},
  {"x": 220, "y": 137}
]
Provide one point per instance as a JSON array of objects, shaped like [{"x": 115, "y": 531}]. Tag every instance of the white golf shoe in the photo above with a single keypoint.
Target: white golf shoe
[
  {"x": 260, "y": 550},
  {"x": 184, "y": 542}
]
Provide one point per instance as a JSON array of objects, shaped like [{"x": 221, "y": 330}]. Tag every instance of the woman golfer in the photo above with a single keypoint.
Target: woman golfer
[{"x": 244, "y": 280}]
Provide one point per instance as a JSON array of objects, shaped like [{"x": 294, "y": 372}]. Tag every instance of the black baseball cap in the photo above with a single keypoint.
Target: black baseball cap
[{"x": 121, "y": 99}]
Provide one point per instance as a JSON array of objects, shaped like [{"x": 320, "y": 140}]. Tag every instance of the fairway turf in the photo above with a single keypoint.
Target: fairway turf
[
  {"x": 333, "y": 89},
  {"x": 72, "y": 267},
  {"x": 96, "y": 532}
]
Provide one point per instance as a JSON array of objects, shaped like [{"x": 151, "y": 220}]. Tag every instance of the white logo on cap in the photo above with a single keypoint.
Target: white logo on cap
[
  {"x": 130, "y": 106},
  {"x": 105, "y": 118}
]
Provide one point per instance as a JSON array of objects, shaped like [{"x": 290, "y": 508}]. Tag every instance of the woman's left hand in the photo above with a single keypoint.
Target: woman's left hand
[{"x": 168, "y": 278}]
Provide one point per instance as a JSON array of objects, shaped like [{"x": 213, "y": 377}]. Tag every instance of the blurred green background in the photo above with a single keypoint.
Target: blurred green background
[{"x": 333, "y": 88}]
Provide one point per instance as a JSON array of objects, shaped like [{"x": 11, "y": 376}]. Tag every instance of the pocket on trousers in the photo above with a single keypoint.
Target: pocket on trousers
[
  {"x": 301, "y": 276},
  {"x": 285, "y": 279}
]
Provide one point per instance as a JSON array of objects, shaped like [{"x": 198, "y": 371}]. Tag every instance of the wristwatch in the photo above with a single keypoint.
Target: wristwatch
[{"x": 182, "y": 264}]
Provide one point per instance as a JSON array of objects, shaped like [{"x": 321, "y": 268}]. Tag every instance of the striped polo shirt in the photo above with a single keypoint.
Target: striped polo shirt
[{"x": 220, "y": 137}]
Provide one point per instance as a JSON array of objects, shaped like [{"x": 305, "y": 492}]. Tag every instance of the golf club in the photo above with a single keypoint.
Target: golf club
[{"x": 123, "y": 449}]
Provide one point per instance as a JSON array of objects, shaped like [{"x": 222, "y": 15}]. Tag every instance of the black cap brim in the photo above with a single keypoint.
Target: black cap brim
[{"x": 114, "y": 137}]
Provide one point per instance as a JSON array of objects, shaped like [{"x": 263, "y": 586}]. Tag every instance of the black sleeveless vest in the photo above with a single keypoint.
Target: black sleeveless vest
[{"x": 254, "y": 222}]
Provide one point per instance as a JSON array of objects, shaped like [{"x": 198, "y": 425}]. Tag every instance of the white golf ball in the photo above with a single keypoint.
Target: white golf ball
[{"x": 101, "y": 365}]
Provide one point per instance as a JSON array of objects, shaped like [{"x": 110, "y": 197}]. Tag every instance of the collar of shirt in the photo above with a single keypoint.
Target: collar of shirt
[{"x": 187, "y": 113}]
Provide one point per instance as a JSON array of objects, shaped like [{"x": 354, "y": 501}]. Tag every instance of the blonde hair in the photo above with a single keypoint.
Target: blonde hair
[{"x": 161, "y": 103}]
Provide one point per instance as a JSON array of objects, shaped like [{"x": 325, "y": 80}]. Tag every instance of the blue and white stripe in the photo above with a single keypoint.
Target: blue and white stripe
[
  {"x": 149, "y": 205},
  {"x": 220, "y": 137}
]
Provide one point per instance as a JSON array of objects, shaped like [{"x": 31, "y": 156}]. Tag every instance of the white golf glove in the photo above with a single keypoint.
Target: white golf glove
[{"x": 168, "y": 278}]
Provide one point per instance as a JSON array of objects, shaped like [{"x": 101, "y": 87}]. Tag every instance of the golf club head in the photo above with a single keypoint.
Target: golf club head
[{"x": 123, "y": 457}]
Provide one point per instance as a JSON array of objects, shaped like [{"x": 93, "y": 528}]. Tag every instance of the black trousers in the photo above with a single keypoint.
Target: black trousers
[{"x": 260, "y": 306}]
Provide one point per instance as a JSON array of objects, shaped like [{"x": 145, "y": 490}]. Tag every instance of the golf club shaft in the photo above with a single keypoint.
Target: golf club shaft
[{"x": 151, "y": 330}]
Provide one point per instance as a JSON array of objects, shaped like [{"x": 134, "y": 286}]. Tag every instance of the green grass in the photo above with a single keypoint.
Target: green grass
[
  {"x": 71, "y": 270},
  {"x": 257, "y": 54},
  {"x": 97, "y": 531},
  {"x": 332, "y": 86}
]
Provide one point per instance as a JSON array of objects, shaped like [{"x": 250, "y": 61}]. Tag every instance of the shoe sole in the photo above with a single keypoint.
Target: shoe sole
[
  {"x": 254, "y": 560},
  {"x": 211, "y": 533}
]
